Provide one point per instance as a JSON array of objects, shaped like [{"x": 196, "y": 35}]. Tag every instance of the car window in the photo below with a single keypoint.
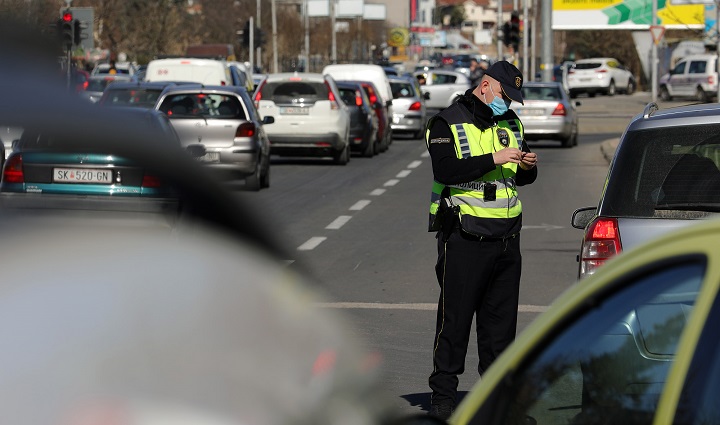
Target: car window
[
  {"x": 666, "y": 173},
  {"x": 443, "y": 79},
  {"x": 541, "y": 93},
  {"x": 98, "y": 84},
  {"x": 142, "y": 98},
  {"x": 610, "y": 361},
  {"x": 291, "y": 92},
  {"x": 588, "y": 65},
  {"x": 401, "y": 89},
  {"x": 194, "y": 105},
  {"x": 348, "y": 95},
  {"x": 679, "y": 68},
  {"x": 697, "y": 67}
]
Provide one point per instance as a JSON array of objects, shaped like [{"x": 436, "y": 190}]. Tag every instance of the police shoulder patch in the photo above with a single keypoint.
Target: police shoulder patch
[
  {"x": 441, "y": 140},
  {"x": 503, "y": 137}
]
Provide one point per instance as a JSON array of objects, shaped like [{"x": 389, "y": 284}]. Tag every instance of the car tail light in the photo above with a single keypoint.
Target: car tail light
[
  {"x": 711, "y": 79},
  {"x": 601, "y": 70},
  {"x": 602, "y": 241},
  {"x": 358, "y": 100},
  {"x": 13, "y": 170},
  {"x": 246, "y": 129},
  {"x": 331, "y": 97},
  {"x": 560, "y": 110},
  {"x": 150, "y": 181},
  {"x": 415, "y": 106},
  {"x": 258, "y": 94}
]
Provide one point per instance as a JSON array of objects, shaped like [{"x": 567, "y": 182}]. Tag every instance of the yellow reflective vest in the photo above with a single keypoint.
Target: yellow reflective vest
[{"x": 477, "y": 214}]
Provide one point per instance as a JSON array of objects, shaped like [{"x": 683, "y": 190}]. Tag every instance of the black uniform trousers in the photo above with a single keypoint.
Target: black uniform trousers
[{"x": 480, "y": 278}]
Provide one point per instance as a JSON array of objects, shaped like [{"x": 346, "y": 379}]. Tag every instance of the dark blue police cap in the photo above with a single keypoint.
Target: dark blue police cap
[{"x": 510, "y": 79}]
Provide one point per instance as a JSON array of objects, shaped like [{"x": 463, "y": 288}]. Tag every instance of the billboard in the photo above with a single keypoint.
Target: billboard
[{"x": 625, "y": 14}]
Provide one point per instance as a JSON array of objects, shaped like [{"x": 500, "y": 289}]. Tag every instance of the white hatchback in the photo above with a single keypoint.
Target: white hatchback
[
  {"x": 600, "y": 75},
  {"x": 310, "y": 117}
]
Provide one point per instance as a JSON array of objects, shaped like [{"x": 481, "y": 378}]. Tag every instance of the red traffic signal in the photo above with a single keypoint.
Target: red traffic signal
[{"x": 67, "y": 16}]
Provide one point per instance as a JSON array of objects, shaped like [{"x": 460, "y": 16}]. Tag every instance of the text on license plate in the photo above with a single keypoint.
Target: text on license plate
[
  {"x": 294, "y": 110},
  {"x": 82, "y": 175},
  {"x": 210, "y": 157},
  {"x": 530, "y": 112}
]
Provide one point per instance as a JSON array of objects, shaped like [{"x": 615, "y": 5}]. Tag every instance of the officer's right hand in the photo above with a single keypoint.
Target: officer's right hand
[{"x": 503, "y": 156}]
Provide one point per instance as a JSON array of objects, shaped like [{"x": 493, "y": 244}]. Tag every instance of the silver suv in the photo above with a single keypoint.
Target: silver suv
[
  {"x": 222, "y": 123},
  {"x": 664, "y": 175}
]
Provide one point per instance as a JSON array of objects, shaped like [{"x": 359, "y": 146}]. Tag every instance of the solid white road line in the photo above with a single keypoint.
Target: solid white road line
[
  {"x": 403, "y": 173},
  {"x": 523, "y": 308},
  {"x": 378, "y": 192},
  {"x": 359, "y": 205},
  {"x": 339, "y": 222},
  {"x": 414, "y": 164},
  {"x": 391, "y": 182},
  {"x": 311, "y": 243}
]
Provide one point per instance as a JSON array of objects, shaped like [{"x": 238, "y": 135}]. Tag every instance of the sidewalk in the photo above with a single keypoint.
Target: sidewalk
[{"x": 607, "y": 148}]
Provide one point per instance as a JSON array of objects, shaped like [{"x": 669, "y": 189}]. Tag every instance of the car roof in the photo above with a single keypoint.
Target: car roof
[
  {"x": 689, "y": 115},
  {"x": 141, "y": 84},
  {"x": 286, "y": 76},
  {"x": 199, "y": 88}
]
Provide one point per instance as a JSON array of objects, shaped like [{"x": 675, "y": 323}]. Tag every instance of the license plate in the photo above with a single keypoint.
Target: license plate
[
  {"x": 210, "y": 157},
  {"x": 82, "y": 175},
  {"x": 534, "y": 112},
  {"x": 294, "y": 110}
]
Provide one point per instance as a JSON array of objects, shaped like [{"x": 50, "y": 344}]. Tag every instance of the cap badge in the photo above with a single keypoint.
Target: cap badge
[{"x": 518, "y": 82}]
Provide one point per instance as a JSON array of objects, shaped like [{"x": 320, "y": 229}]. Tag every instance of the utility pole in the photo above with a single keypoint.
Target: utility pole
[
  {"x": 251, "y": 37},
  {"x": 525, "y": 54},
  {"x": 547, "y": 39},
  {"x": 499, "y": 26},
  {"x": 533, "y": 41},
  {"x": 333, "y": 57},
  {"x": 307, "y": 36},
  {"x": 258, "y": 54},
  {"x": 653, "y": 56},
  {"x": 274, "y": 33}
]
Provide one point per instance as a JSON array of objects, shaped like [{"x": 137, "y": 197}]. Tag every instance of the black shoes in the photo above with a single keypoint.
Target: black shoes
[{"x": 442, "y": 411}]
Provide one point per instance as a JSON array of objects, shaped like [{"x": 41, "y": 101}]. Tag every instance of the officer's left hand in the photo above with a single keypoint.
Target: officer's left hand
[{"x": 528, "y": 161}]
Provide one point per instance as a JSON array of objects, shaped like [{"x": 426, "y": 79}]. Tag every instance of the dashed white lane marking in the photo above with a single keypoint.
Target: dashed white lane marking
[
  {"x": 377, "y": 192},
  {"x": 339, "y": 222},
  {"x": 414, "y": 164},
  {"x": 425, "y": 154},
  {"x": 403, "y": 173},
  {"x": 391, "y": 182},
  {"x": 359, "y": 205},
  {"x": 523, "y": 308},
  {"x": 311, "y": 243}
]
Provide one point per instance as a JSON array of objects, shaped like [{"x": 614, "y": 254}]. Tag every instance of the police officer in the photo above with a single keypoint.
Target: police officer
[{"x": 478, "y": 158}]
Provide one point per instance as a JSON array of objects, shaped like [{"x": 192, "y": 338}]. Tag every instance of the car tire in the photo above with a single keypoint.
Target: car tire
[
  {"x": 630, "y": 88},
  {"x": 573, "y": 94},
  {"x": 252, "y": 182},
  {"x": 265, "y": 177},
  {"x": 665, "y": 94},
  {"x": 369, "y": 150},
  {"x": 567, "y": 143},
  {"x": 700, "y": 95},
  {"x": 611, "y": 90},
  {"x": 342, "y": 157}
]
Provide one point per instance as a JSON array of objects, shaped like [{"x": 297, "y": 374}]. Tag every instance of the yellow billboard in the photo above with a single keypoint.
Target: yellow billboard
[{"x": 625, "y": 14}]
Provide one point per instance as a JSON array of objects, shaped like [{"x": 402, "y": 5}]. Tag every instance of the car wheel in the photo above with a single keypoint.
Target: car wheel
[
  {"x": 700, "y": 95},
  {"x": 265, "y": 179},
  {"x": 665, "y": 94},
  {"x": 574, "y": 138},
  {"x": 252, "y": 182},
  {"x": 591, "y": 94},
  {"x": 573, "y": 94},
  {"x": 567, "y": 143},
  {"x": 369, "y": 150},
  {"x": 630, "y": 88},
  {"x": 611, "y": 89},
  {"x": 342, "y": 157}
]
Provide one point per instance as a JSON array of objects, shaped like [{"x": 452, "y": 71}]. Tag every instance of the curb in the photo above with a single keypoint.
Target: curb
[{"x": 607, "y": 148}]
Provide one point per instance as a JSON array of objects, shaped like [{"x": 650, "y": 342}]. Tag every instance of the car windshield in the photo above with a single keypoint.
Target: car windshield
[
  {"x": 588, "y": 65},
  {"x": 193, "y": 105},
  {"x": 293, "y": 92},
  {"x": 666, "y": 173},
  {"x": 349, "y": 96},
  {"x": 541, "y": 93},
  {"x": 98, "y": 84},
  {"x": 142, "y": 98}
]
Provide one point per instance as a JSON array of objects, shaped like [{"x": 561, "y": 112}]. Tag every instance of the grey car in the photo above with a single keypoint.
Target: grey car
[
  {"x": 221, "y": 121},
  {"x": 98, "y": 83},
  {"x": 664, "y": 175},
  {"x": 409, "y": 111},
  {"x": 548, "y": 113}
]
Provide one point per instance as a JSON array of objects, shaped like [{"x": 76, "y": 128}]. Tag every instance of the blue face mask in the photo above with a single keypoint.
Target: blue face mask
[{"x": 499, "y": 105}]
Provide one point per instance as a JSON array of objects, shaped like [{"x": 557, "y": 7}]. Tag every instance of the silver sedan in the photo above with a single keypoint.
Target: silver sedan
[{"x": 548, "y": 113}]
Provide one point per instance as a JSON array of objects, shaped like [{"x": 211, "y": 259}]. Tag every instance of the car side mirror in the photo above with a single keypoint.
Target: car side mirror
[
  {"x": 426, "y": 95},
  {"x": 196, "y": 150},
  {"x": 578, "y": 103},
  {"x": 14, "y": 143},
  {"x": 583, "y": 216},
  {"x": 388, "y": 103},
  {"x": 268, "y": 120}
]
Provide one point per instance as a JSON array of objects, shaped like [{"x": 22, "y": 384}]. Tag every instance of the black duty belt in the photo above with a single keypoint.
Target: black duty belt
[{"x": 470, "y": 236}]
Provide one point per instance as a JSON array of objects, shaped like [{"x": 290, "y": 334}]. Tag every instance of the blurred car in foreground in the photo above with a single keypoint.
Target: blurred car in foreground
[
  {"x": 310, "y": 117},
  {"x": 444, "y": 87},
  {"x": 548, "y": 113},
  {"x": 600, "y": 75},
  {"x": 140, "y": 94},
  {"x": 221, "y": 121},
  {"x": 109, "y": 320},
  {"x": 363, "y": 120},
  {"x": 664, "y": 175},
  {"x": 637, "y": 343},
  {"x": 97, "y": 84},
  {"x": 409, "y": 112}
]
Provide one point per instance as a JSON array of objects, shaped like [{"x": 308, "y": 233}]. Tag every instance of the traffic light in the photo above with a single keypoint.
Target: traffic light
[
  {"x": 78, "y": 34},
  {"x": 66, "y": 30},
  {"x": 506, "y": 33},
  {"x": 259, "y": 37},
  {"x": 246, "y": 34},
  {"x": 514, "y": 38}
]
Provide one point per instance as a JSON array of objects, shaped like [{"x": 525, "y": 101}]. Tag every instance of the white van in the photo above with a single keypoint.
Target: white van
[
  {"x": 694, "y": 77},
  {"x": 376, "y": 75},
  {"x": 209, "y": 72}
]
